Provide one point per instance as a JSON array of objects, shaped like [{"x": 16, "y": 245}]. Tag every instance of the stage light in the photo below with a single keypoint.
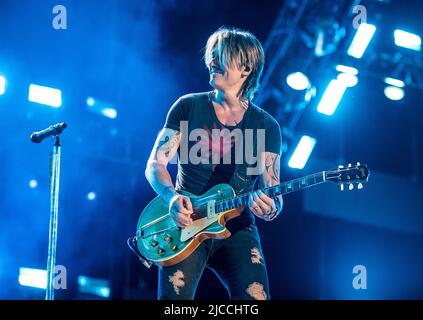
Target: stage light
[
  {"x": 310, "y": 93},
  {"x": 109, "y": 113},
  {"x": 395, "y": 82},
  {"x": 394, "y": 93},
  {"x": 93, "y": 286},
  {"x": 348, "y": 79},
  {"x": 91, "y": 196},
  {"x": 302, "y": 152},
  {"x": 331, "y": 97},
  {"x": 407, "y": 40},
  {"x": 103, "y": 292},
  {"x": 45, "y": 95},
  {"x": 2, "y": 85},
  {"x": 33, "y": 184},
  {"x": 298, "y": 81},
  {"x": 361, "y": 40},
  {"x": 101, "y": 107},
  {"x": 35, "y": 278},
  {"x": 347, "y": 69},
  {"x": 90, "y": 101},
  {"x": 82, "y": 281}
]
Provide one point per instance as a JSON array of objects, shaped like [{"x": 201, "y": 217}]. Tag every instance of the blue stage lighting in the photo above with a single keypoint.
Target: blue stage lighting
[
  {"x": 331, "y": 97},
  {"x": 407, "y": 40},
  {"x": 348, "y": 79},
  {"x": 97, "y": 287},
  {"x": 361, "y": 40},
  {"x": 101, "y": 107},
  {"x": 33, "y": 184},
  {"x": 33, "y": 278},
  {"x": 394, "y": 93},
  {"x": 91, "y": 196},
  {"x": 103, "y": 292},
  {"x": 298, "y": 81},
  {"x": 346, "y": 69},
  {"x": 45, "y": 95},
  {"x": 302, "y": 152},
  {"x": 109, "y": 113},
  {"x": 90, "y": 101},
  {"x": 394, "y": 82},
  {"x": 2, "y": 85}
]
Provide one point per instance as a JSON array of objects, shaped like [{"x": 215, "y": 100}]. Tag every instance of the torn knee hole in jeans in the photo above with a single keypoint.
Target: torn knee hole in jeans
[
  {"x": 177, "y": 280},
  {"x": 256, "y": 256},
  {"x": 256, "y": 291}
]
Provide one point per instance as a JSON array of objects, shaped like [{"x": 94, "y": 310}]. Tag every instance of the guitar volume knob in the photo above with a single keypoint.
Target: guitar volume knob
[
  {"x": 160, "y": 251},
  {"x": 154, "y": 243}
]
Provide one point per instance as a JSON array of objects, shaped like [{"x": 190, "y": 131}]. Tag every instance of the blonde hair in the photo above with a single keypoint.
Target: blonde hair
[{"x": 236, "y": 47}]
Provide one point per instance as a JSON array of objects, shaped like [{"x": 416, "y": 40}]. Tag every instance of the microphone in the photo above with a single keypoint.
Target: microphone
[{"x": 53, "y": 130}]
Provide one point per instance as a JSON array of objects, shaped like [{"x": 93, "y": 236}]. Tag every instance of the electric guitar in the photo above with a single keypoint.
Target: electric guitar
[{"x": 162, "y": 242}]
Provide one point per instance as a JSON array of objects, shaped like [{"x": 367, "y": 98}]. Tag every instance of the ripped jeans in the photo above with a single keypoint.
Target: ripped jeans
[{"x": 237, "y": 261}]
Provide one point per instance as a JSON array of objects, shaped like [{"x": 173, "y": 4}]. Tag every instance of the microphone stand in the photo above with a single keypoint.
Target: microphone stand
[
  {"x": 54, "y": 210},
  {"x": 37, "y": 137}
]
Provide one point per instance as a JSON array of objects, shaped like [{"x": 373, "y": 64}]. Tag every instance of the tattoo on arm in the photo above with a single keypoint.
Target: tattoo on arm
[
  {"x": 271, "y": 177},
  {"x": 272, "y": 166},
  {"x": 168, "y": 144},
  {"x": 165, "y": 147}
]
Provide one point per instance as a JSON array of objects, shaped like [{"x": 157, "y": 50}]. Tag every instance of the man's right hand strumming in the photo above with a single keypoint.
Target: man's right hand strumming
[
  {"x": 165, "y": 147},
  {"x": 180, "y": 209}
]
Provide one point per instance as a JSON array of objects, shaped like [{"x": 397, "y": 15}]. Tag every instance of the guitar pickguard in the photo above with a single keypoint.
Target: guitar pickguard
[{"x": 200, "y": 224}]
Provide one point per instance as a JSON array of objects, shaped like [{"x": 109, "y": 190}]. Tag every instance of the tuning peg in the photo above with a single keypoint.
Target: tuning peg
[
  {"x": 340, "y": 166},
  {"x": 349, "y": 165},
  {"x": 341, "y": 186},
  {"x": 360, "y": 186},
  {"x": 358, "y": 163},
  {"x": 350, "y": 186}
]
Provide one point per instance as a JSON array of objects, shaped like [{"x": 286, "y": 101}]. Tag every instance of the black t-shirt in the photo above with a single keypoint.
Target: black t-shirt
[{"x": 198, "y": 171}]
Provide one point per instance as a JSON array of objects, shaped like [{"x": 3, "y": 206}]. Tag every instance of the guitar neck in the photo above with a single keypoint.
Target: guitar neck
[{"x": 272, "y": 192}]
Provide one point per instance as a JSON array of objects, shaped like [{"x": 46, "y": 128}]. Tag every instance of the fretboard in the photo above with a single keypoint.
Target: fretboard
[{"x": 273, "y": 191}]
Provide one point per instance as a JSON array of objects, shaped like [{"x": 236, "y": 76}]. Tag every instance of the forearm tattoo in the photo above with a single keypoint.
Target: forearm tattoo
[
  {"x": 271, "y": 177},
  {"x": 272, "y": 166}
]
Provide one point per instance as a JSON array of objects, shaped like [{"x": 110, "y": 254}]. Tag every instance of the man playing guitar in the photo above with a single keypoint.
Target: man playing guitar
[{"x": 235, "y": 60}]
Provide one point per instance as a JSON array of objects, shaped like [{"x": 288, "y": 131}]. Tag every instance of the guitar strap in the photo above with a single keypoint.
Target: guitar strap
[{"x": 241, "y": 181}]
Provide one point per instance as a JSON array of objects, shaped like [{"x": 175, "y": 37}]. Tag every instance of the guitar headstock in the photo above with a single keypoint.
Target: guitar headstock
[{"x": 353, "y": 174}]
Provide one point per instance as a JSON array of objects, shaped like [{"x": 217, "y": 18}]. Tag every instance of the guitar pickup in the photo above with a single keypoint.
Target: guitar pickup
[{"x": 211, "y": 209}]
